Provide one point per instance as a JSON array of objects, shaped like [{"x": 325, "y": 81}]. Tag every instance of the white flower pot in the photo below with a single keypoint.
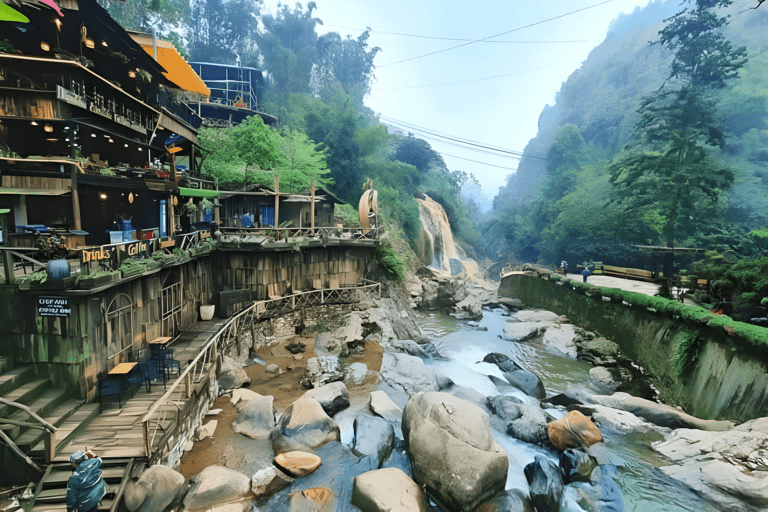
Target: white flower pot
[{"x": 206, "y": 311}]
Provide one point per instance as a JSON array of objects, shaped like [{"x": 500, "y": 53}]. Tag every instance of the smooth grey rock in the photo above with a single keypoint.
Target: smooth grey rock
[
  {"x": 157, "y": 487},
  {"x": 452, "y": 450},
  {"x": 562, "y": 338},
  {"x": 577, "y": 466},
  {"x": 216, "y": 485},
  {"x": 524, "y": 331},
  {"x": 381, "y": 405},
  {"x": 256, "y": 419},
  {"x": 506, "y": 407},
  {"x": 388, "y": 490},
  {"x": 303, "y": 426},
  {"x": 408, "y": 347},
  {"x": 470, "y": 308},
  {"x": 546, "y": 484},
  {"x": 374, "y": 436},
  {"x": 531, "y": 427},
  {"x": 356, "y": 373},
  {"x": 512, "y": 500},
  {"x": 273, "y": 368},
  {"x": 527, "y": 382},
  {"x": 410, "y": 375},
  {"x": 333, "y": 397},
  {"x": 537, "y": 315},
  {"x": 268, "y": 481},
  {"x": 322, "y": 370},
  {"x": 232, "y": 375},
  {"x": 504, "y": 362}
]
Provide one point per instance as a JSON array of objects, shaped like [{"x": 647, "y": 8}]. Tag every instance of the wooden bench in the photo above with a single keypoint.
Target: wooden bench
[{"x": 628, "y": 273}]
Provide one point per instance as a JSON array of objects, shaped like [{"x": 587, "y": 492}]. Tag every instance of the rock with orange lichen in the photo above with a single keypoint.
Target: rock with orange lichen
[{"x": 574, "y": 430}]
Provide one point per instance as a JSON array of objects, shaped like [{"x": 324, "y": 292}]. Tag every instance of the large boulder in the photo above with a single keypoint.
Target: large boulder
[
  {"x": 297, "y": 464},
  {"x": 374, "y": 436},
  {"x": 527, "y": 382},
  {"x": 524, "y": 331},
  {"x": 268, "y": 481},
  {"x": 257, "y": 417},
  {"x": 506, "y": 407},
  {"x": 335, "y": 342},
  {"x": 381, "y": 405},
  {"x": 232, "y": 375},
  {"x": 410, "y": 375},
  {"x": 322, "y": 370},
  {"x": 512, "y": 500},
  {"x": 562, "y": 338},
  {"x": 216, "y": 485},
  {"x": 574, "y": 430},
  {"x": 332, "y": 397},
  {"x": 546, "y": 484},
  {"x": 388, "y": 490},
  {"x": 154, "y": 490},
  {"x": 304, "y": 426},
  {"x": 452, "y": 450},
  {"x": 470, "y": 308}
]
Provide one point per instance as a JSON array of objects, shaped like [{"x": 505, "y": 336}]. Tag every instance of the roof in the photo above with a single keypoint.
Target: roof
[{"x": 178, "y": 70}]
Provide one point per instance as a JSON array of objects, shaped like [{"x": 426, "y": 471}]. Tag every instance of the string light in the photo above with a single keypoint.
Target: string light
[{"x": 45, "y": 46}]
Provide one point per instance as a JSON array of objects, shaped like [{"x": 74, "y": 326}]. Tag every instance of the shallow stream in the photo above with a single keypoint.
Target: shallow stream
[{"x": 645, "y": 488}]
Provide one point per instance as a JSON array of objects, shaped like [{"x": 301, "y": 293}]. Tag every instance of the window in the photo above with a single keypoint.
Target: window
[{"x": 119, "y": 326}]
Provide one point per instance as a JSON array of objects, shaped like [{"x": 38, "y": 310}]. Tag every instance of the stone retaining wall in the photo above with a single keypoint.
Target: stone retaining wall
[{"x": 726, "y": 377}]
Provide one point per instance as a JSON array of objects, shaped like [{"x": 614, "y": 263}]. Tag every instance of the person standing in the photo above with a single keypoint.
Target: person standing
[
  {"x": 585, "y": 273},
  {"x": 86, "y": 486},
  {"x": 564, "y": 266}
]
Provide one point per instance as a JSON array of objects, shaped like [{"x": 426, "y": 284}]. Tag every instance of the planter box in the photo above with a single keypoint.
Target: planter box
[
  {"x": 95, "y": 282},
  {"x": 137, "y": 271}
]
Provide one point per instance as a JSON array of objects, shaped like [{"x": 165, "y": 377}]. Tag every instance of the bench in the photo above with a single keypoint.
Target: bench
[{"x": 628, "y": 273}]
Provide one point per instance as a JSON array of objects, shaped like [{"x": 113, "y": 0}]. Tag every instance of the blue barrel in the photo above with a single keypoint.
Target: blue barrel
[{"x": 57, "y": 269}]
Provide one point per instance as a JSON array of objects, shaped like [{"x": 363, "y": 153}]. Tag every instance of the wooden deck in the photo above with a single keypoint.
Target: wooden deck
[{"x": 118, "y": 432}]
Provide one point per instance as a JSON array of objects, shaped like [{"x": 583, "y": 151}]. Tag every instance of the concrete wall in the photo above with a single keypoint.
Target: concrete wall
[{"x": 726, "y": 380}]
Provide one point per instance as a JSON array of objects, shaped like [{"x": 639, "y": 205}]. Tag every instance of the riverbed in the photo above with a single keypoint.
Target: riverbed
[{"x": 464, "y": 344}]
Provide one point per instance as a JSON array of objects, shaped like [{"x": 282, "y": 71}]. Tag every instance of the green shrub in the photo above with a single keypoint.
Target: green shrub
[{"x": 391, "y": 264}]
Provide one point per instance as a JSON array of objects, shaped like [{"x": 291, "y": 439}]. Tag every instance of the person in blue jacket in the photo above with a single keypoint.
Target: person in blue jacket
[
  {"x": 85, "y": 487},
  {"x": 585, "y": 273}
]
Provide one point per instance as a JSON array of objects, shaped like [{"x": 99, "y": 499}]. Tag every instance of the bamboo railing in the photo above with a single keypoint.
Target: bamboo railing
[{"x": 163, "y": 418}]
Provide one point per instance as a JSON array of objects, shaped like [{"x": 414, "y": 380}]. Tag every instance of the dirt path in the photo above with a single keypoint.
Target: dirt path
[{"x": 236, "y": 451}]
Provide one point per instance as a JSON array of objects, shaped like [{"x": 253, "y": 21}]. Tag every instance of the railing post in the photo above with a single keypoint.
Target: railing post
[
  {"x": 147, "y": 442},
  {"x": 188, "y": 385},
  {"x": 50, "y": 446}
]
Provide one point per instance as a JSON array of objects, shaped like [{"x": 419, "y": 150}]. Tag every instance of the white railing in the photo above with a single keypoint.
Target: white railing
[
  {"x": 163, "y": 418},
  {"x": 290, "y": 234}
]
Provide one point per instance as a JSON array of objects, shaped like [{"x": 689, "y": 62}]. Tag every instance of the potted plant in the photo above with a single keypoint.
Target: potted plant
[
  {"x": 206, "y": 311},
  {"x": 96, "y": 279}
]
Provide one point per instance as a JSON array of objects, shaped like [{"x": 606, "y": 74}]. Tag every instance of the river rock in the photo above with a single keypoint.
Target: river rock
[
  {"x": 470, "y": 308},
  {"x": 216, "y": 485},
  {"x": 546, "y": 484},
  {"x": 256, "y": 419},
  {"x": 297, "y": 464},
  {"x": 334, "y": 342},
  {"x": 599, "y": 351},
  {"x": 618, "y": 420},
  {"x": 322, "y": 370},
  {"x": 374, "y": 436},
  {"x": 524, "y": 331},
  {"x": 574, "y": 430},
  {"x": 387, "y": 490},
  {"x": 232, "y": 375},
  {"x": 206, "y": 430},
  {"x": 273, "y": 369},
  {"x": 504, "y": 362},
  {"x": 527, "y": 382},
  {"x": 431, "y": 351},
  {"x": 381, "y": 405},
  {"x": 304, "y": 426},
  {"x": 506, "y": 407},
  {"x": 453, "y": 453},
  {"x": 604, "y": 494},
  {"x": 577, "y": 466},
  {"x": 603, "y": 378},
  {"x": 399, "y": 458},
  {"x": 410, "y": 375},
  {"x": 157, "y": 487},
  {"x": 512, "y": 500},
  {"x": 332, "y": 397},
  {"x": 531, "y": 427},
  {"x": 268, "y": 481},
  {"x": 537, "y": 315},
  {"x": 562, "y": 338},
  {"x": 314, "y": 499},
  {"x": 243, "y": 395},
  {"x": 355, "y": 373},
  {"x": 408, "y": 347}
]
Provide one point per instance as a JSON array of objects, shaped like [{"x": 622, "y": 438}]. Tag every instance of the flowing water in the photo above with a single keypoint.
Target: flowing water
[{"x": 645, "y": 488}]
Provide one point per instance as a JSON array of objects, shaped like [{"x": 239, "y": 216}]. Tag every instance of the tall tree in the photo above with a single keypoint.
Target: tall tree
[{"x": 348, "y": 61}]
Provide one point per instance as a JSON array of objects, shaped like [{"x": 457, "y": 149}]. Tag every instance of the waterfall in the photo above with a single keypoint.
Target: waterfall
[{"x": 446, "y": 255}]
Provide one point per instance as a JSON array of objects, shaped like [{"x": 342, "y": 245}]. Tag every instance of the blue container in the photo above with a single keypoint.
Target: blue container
[
  {"x": 57, "y": 269},
  {"x": 128, "y": 236}
]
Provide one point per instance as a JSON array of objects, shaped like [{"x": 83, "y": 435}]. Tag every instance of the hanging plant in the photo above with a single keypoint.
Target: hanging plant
[
  {"x": 189, "y": 208},
  {"x": 206, "y": 206}
]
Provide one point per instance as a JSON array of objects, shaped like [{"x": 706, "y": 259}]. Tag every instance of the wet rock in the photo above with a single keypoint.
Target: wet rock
[
  {"x": 333, "y": 397},
  {"x": 506, "y": 407},
  {"x": 527, "y": 382},
  {"x": 321, "y": 370},
  {"x": 577, "y": 466},
  {"x": 297, "y": 464},
  {"x": 510, "y": 304},
  {"x": 470, "y": 308},
  {"x": 410, "y": 375},
  {"x": 531, "y": 427},
  {"x": 268, "y": 481},
  {"x": 388, "y": 489},
  {"x": 603, "y": 378},
  {"x": 232, "y": 375},
  {"x": 524, "y": 331},
  {"x": 504, "y": 362},
  {"x": 256, "y": 419},
  {"x": 599, "y": 351},
  {"x": 618, "y": 420},
  {"x": 408, "y": 347},
  {"x": 512, "y": 500},
  {"x": 546, "y": 484},
  {"x": 374, "y": 436},
  {"x": 537, "y": 315},
  {"x": 303, "y": 426},
  {"x": 315, "y": 499},
  {"x": 356, "y": 373},
  {"x": 431, "y": 351},
  {"x": 383, "y": 406},
  {"x": 604, "y": 494},
  {"x": 206, "y": 430},
  {"x": 452, "y": 450},
  {"x": 574, "y": 430},
  {"x": 399, "y": 458},
  {"x": 216, "y": 485},
  {"x": 562, "y": 338},
  {"x": 157, "y": 487}
]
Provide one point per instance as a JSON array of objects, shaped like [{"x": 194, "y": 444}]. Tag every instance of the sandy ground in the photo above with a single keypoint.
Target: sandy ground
[{"x": 236, "y": 451}]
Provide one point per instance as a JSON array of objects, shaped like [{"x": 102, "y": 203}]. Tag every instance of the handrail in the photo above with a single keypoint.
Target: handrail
[
  {"x": 257, "y": 311},
  {"x": 317, "y": 232}
]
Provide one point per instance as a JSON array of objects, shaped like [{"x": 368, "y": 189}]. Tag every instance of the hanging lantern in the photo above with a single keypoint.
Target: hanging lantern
[
  {"x": 130, "y": 197},
  {"x": 175, "y": 200}
]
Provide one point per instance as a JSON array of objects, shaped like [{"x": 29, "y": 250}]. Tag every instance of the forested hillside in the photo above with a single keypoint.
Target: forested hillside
[{"x": 644, "y": 147}]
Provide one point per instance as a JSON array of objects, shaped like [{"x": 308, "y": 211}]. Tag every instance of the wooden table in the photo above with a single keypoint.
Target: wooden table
[
  {"x": 122, "y": 369},
  {"x": 161, "y": 341}
]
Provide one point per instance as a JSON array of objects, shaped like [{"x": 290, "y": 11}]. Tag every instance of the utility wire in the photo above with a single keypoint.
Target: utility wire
[
  {"x": 494, "y": 36},
  {"x": 456, "y": 83},
  {"x": 455, "y": 38},
  {"x": 477, "y": 162}
]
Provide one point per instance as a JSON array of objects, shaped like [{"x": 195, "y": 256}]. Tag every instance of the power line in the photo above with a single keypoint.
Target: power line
[
  {"x": 477, "y": 162},
  {"x": 457, "y": 83},
  {"x": 497, "y": 35},
  {"x": 455, "y": 38}
]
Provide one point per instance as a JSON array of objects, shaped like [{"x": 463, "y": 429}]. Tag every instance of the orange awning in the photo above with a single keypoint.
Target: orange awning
[{"x": 179, "y": 72}]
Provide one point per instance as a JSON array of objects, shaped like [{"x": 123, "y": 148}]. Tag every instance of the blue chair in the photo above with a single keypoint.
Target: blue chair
[
  {"x": 169, "y": 364},
  {"x": 147, "y": 371},
  {"x": 109, "y": 387}
]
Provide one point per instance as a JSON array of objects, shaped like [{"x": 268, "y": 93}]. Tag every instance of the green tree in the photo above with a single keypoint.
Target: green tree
[
  {"x": 348, "y": 61},
  {"x": 303, "y": 162},
  {"x": 142, "y": 15}
]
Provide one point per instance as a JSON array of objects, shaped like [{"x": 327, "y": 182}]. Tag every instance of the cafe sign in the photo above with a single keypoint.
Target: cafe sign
[{"x": 54, "y": 306}]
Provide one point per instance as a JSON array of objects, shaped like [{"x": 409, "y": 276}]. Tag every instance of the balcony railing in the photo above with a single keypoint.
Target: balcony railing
[{"x": 288, "y": 235}]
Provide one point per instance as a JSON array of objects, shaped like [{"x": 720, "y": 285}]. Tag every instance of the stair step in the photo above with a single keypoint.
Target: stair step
[
  {"x": 24, "y": 394},
  {"x": 31, "y": 436},
  {"x": 42, "y": 404},
  {"x": 6, "y": 363},
  {"x": 79, "y": 419},
  {"x": 11, "y": 379},
  {"x": 61, "y": 477}
]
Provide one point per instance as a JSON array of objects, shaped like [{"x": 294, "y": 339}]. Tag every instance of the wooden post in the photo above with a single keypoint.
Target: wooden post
[
  {"x": 312, "y": 207},
  {"x": 188, "y": 385},
  {"x": 50, "y": 446},
  {"x": 75, "y": 199},
  {"x": 171, "y": 219},
  {"x": 277, "y": 207},
  {"x": 147, "y": 442}
]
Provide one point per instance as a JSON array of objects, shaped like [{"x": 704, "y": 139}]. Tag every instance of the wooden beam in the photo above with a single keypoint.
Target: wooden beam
[
  {"x": 15, "y": 449},
  {"x": 277, "y": 206},
  {"x": 75, "y": 199},
  {"x": 312, "y": 207},
  {"x": 29, "y": 411}
]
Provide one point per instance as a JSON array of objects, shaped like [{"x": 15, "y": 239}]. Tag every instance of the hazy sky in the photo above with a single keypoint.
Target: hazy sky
[{"x": 452, "y": 92}]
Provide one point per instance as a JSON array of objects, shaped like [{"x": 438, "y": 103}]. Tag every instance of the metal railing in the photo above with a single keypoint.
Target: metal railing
[
  {"x": 163, "y": 418},
  {"x": 231, "y": 234}
]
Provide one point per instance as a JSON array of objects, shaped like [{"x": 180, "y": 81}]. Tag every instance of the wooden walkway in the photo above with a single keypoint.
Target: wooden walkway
[{"x": 118, "y": 432}]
